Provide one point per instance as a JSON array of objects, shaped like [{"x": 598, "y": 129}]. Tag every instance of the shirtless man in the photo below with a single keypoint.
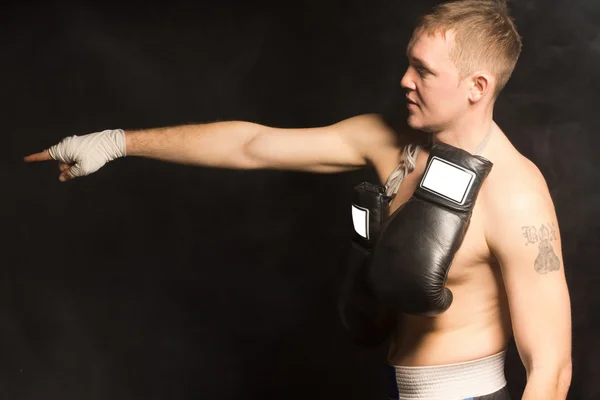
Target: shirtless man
[{"x": 507, "y": 277}]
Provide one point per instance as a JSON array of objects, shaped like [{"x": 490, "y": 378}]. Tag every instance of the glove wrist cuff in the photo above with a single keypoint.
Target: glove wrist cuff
[{"x": 117, "y": 137}]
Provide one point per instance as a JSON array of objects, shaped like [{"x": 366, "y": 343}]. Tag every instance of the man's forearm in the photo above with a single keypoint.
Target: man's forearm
[
  {"x": 547, "y": 385},
  {"x": 218, "y": 144}
]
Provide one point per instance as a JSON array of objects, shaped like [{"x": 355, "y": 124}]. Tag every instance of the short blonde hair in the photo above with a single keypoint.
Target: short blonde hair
[{"x": 485, "y": 36}]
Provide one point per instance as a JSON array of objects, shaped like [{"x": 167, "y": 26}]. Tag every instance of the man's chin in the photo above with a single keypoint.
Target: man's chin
[
  {"x": 418, "y": 125},
  {"x": 414, "y": 123}
]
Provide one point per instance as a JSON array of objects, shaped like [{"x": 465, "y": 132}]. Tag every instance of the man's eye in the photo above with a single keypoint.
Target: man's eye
[{"x": 421, "y": 71}]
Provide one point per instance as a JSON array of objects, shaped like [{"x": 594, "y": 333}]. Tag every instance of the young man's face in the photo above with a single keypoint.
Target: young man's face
[{"x": 435, "y": 94}]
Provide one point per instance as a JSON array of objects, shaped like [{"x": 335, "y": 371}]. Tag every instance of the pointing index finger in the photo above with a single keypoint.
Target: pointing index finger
[{"x": 41, "y": 156}]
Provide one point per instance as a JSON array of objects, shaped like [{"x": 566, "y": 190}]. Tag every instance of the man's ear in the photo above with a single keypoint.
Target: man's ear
[{"x": 480, "y": 86}]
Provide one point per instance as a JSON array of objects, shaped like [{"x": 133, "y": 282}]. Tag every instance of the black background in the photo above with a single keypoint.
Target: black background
[{"x": 150, "y": 280}]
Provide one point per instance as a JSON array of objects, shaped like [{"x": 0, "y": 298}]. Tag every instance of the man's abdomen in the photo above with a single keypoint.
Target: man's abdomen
[{"x": 477, "y": 325}]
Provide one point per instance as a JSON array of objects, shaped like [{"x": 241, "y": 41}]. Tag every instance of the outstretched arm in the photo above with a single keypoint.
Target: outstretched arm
[
  {"x": 339, "y": 147},
  {"x": 524, "y": 235}
]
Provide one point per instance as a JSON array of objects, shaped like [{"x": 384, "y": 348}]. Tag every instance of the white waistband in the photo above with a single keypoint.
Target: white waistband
[{"x": 453, "y": 381}]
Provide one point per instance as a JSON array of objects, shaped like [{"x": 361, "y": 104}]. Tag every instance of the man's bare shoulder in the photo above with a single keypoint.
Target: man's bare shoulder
[
  {"x": 372, "y": 129},
  {"x": 376, "y": 140},
  {"x": 516, "y": 188},
  {"x": 379, "y": 137},
  {"x": 515, "y": 179}
]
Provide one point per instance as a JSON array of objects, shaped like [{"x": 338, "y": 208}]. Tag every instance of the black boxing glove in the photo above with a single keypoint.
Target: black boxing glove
[
  {"x": 370, "y": 208},
  {"x": 364, "y": 318},
  {"x": 411, "y": 259}
]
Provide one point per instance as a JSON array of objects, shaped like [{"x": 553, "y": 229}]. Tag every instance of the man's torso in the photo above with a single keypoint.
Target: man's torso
[{"x": 477, "y": 324}]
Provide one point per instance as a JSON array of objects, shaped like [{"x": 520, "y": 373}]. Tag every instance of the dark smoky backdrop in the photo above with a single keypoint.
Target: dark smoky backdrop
[{"x": 149, "y": 280}]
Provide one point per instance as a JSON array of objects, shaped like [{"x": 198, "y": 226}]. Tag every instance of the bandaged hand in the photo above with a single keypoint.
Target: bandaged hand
[{"x": 84, "y": 155}]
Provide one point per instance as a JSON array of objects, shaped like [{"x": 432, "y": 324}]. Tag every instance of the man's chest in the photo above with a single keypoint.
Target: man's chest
[{"x": 473, "y": 250}]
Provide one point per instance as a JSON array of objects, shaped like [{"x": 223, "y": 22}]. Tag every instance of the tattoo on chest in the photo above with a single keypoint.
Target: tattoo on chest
[{"x": 546, "y": 260}]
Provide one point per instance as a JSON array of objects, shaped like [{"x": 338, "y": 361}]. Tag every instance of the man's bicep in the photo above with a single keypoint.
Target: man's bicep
[
  {"x": 338, "y": 147},
  {"x": 527, "y": 243}
]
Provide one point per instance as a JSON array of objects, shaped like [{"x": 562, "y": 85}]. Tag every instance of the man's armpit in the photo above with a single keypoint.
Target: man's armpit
[{"x": 543, "y": 236}]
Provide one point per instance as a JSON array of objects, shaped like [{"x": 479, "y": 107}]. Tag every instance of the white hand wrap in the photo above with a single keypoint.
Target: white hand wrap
[{"x": 88, "y": 153}]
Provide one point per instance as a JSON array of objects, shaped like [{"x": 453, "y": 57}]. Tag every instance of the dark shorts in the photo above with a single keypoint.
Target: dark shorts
[{"x": 501, "y": 394}]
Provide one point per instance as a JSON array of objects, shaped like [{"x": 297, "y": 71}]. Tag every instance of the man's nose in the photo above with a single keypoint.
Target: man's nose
[{"x": 407, "y": 82}]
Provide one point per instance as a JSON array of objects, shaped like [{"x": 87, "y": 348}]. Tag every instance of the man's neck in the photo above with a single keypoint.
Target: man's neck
[{"x": 466, "y": 134}]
